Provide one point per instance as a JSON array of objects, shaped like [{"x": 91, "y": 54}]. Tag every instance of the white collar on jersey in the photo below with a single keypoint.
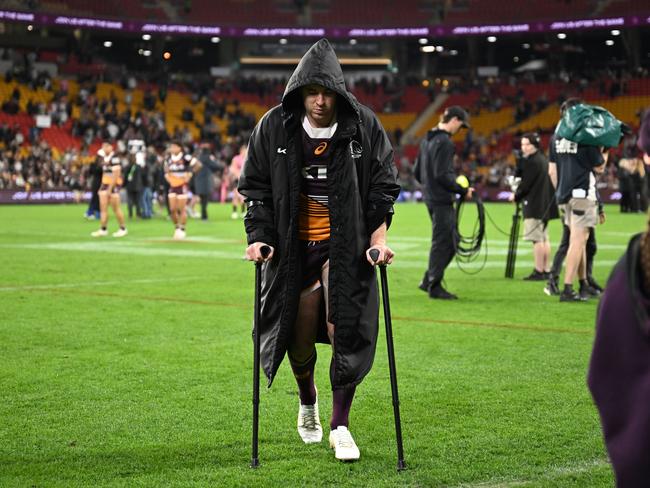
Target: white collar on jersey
[{"x": 319, "y": 132}]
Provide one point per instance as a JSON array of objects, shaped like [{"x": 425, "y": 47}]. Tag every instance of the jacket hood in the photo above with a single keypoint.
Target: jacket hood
[{"x": 320, "y": 66}]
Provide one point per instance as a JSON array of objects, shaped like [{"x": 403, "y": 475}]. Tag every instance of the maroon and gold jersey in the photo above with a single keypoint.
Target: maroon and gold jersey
[
  {"x": 107, "y": 163},
  {"x": 178, "y": 169}
]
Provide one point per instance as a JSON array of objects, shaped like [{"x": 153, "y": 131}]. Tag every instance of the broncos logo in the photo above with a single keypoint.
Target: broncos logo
[{"x": 355, "y": 149}]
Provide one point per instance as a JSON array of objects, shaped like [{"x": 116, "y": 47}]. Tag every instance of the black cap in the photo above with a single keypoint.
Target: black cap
[{"x": 459, "y": 113}]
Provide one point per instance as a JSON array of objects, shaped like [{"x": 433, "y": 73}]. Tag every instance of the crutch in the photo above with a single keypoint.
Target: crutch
[
  {"x": 401, "y": 464},
  {"x": 265, "y": 251},
  {"x": 512, "y": 244}
]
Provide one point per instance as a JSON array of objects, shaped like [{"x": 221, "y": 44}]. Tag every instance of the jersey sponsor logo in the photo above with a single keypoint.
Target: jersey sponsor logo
[
  {"x": 564, "y": 146},
  {"x": 314, "y": 172},
  {"x": 320, "y": 149},
  {"x": 282, "y": 150}
]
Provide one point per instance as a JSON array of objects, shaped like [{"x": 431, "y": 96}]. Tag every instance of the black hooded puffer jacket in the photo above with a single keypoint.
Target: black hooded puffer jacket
[{"x": 362, "y": 188}]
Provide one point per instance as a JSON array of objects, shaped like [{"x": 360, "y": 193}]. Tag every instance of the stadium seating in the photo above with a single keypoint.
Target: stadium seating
[
  {"x": 107, "y": 8},
  {"x": 37, "y": 96},
  {"x": 487, "y": 11},
  {"x": 383, "y": 14},
  {"x": 237, "y": 12},
  {"x": 343, "y": 13},
  {"x": 413, "y": 100}
]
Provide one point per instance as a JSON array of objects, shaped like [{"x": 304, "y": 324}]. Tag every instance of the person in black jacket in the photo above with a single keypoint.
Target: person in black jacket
[
  {"x": 95, "y": 173},
  {"x": 537, "y": 196},
  {"x": 319, "y": 183},
  {"x": 204, "y": 178},
  {"x": 133, "y": 186},
  {"x": 434, "y": 170},
  {"x": 619, "y": 369}
]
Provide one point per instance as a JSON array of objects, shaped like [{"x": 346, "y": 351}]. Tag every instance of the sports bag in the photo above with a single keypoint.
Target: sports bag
[{"x": 590, "y": 125}]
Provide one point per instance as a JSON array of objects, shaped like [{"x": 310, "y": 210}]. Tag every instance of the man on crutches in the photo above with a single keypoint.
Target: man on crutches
[{"x": 320, "y": 184}]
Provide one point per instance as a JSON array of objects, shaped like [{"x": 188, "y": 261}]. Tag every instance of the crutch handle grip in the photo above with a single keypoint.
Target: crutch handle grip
[
  {"x": 374, "y": 254},
  {"x": 265, "y": 251}
]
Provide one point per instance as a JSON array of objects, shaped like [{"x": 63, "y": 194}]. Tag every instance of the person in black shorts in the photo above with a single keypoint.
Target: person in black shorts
[{"x": 319, "y": 183}]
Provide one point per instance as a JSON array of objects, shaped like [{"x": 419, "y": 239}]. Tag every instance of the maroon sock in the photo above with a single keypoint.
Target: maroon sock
[
  {"x": 304, "y": 374},
  {"x": 341, "y": 403}
]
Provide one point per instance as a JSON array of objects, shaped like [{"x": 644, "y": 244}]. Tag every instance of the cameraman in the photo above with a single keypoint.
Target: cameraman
[
  {"x": 536, "y": 194},
  {"x": 434, "y": 170},
  {"x": 573, "y": 167}
]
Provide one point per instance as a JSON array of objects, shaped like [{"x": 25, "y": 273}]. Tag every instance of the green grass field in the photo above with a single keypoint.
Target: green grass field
[{"x": 127, "y": 362}]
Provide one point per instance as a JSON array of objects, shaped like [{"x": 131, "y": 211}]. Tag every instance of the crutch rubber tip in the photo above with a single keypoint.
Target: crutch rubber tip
[
  {"x": 255, "y": 462},
  {"x": 401, "y": 465}
]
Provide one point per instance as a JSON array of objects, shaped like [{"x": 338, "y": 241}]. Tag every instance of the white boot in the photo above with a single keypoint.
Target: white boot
[
  {"x": 343, "y": 444},
  {"x": 309, "y": 426}
]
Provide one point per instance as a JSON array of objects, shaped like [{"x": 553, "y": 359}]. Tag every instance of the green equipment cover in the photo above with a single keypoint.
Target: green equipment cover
[{"x": 590, "y": 125}]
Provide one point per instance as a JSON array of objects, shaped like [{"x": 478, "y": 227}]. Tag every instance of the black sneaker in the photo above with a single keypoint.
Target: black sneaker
[
  {"x": 441, "y": 293},
  {"x": 572, "y": 296},
  {"x": 423, "y": 287},
  {"x": 551, "y": 288},
  {"x": 589, "y": 292},
  {"x": 535, "y": 276},
  {"x": 594, "y": 284}
]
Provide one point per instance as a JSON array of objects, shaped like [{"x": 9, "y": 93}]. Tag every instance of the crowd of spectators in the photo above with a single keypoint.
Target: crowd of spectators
[
  {"x": 36, "y": 167},
  {"x": 27, "y": 161}
]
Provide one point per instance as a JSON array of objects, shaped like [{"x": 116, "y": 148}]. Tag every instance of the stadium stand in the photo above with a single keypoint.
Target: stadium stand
[
  {"x": 489, "y": 11},
  {"x": 341, "y": 13},
  {"x": 94, "y": 97}
]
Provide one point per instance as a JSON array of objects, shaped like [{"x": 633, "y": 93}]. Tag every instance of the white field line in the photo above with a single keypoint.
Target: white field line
[
  {"x": 620, "y": 233},
  {"x": 31, "y": 233},
  {"x": 208, "y": 239},
  {"x": 419, "y": 259},
  {"x": 490, "y": 242},
  {"x": 91, "y": 283},
  {"x": 552, "y": 474},
  {"x": 128, "y": 248},
  {"x": 158, "y": 238},
  {"x": 402, "y": 242}
]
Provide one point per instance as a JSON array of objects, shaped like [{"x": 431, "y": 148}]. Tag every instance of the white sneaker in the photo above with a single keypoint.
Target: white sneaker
[
  {"x": 120, "y": 233},
  {"x": 179, "y": 234},
  {"x": 234, "y": 215},
  {"x": 309, "y": 426},
  {"x": 99, "y": 233},
  {"x": 343, "y": 444}
]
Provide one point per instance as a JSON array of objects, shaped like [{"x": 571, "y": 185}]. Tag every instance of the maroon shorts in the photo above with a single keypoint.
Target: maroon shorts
[
  {"x": 314, "y": 256},
  {"x": 177, "y": 190},
  {"x": 116, "y": 189}
]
